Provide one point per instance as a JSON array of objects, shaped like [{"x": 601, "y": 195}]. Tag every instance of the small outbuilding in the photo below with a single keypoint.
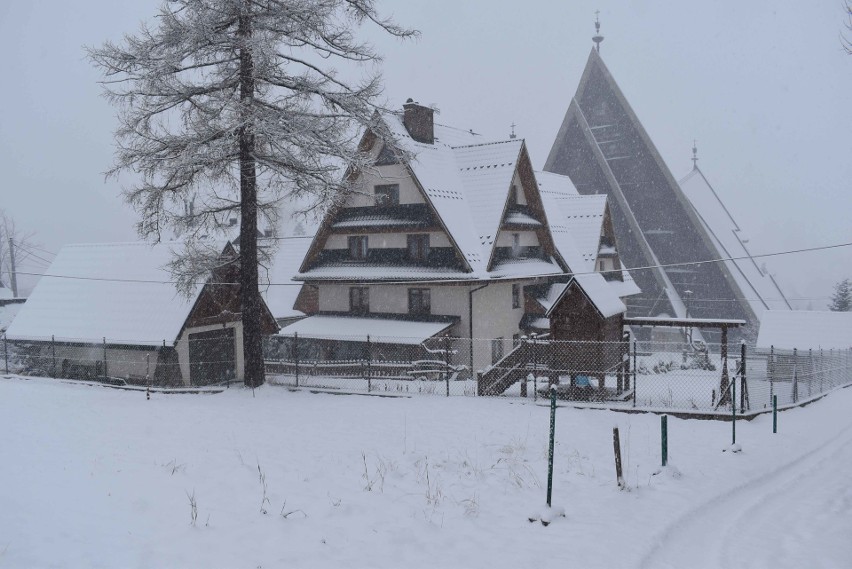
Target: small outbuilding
[{"x": 112, "y": 311}]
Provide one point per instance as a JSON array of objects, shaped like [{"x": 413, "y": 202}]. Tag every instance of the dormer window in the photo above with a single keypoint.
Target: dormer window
[
  {"x": 386, "y": 194},
  {"x": 516, "y": 244},
  {"x": 358, "y": 248},
  {"x": 513, "y": 195}
]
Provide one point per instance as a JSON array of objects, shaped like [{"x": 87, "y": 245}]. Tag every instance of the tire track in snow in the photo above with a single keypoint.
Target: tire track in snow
[{"x": 676, "y": 546}]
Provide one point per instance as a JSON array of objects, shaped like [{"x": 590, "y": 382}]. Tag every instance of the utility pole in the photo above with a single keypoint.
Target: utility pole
[{"x": 12, "y": 276}]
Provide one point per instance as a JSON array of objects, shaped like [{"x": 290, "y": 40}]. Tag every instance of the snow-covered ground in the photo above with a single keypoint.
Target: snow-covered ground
[{"x": 97, "y": 477}]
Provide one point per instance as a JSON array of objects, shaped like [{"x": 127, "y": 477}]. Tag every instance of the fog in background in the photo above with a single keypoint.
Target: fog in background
[{"x": 763, "y": 86}]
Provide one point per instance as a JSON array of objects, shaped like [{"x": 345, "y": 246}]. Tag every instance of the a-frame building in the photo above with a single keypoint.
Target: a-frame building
[{"x": 604, "y": 149}]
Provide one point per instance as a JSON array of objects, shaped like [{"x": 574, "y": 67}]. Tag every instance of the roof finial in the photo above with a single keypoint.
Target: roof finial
[
  {"x": 597, "y": 38},
  {"x": 694, "y": 155},
  {"x": 513, "y": 135}
]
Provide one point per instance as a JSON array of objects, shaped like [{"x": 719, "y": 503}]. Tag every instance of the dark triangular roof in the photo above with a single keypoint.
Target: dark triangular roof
[{"x": 603, "y": 148}]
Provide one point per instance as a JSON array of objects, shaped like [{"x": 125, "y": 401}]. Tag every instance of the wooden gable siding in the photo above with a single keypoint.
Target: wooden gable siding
[
  {"x": 307, "y": 300},
  {"x": 219, "y": 302},
  {"x": 591, "y": 343}
]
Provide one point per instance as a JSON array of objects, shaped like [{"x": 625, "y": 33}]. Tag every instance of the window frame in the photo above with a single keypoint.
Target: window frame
[
  {"x": 359, "y": 247},
  {"x": 359, "y": 300},
  {"x": 419, "y": 301},
  {"x": 389, "y": 199},
  {"x": 418, "y": 247},
  {"x": 516, "y": 295}
]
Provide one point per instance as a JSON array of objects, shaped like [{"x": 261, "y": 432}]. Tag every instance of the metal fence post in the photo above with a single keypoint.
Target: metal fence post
[
  {"x": 6, "y": 352},
  {"x": 369, "y": 362},
  {"x": 535, "y": 367},
  {"x": 53, "y": 355},
  {"x": 795, "y": 376},
  {"x": 664, "y": 438},
  {"x": 771, "y": 372},
  {"x": 296, "y": 355},
  {"x": 447, "y": 363},
  {"x": 744, "y": 402},
  {"x": 811, "y": 374},
  {"x": 635, "y": 385},
  {"x": 105, "y": 360},
  {"x": 821, "y": 370},
  {"x": 733, "y": 412}
]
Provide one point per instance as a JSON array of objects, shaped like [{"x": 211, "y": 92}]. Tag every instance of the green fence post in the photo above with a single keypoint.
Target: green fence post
[
  {"x": 774, "y": 413},
  {"x": 664, "y": 439},
  {"x": 552, "y": 437}
]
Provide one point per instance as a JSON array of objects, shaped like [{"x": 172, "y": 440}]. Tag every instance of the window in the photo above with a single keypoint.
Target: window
[
  {"x": 513, "y": 195},
  {"x": 516, "y": 244},
  {"x": 419, "y": 301},
  {"x": 386, "y": 156},
  {"x": 496, "y": 350},
  {"x": 359, "y": 300},
  {"x": 418, "y": 248},
  {"x": 358, "y": 248},
  {"x": 516, "y": 296},
  {"x": 387, "y": 194}
]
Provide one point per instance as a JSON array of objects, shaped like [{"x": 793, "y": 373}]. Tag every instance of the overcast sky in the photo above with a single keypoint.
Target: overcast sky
[{"x": 764, "y": 86}]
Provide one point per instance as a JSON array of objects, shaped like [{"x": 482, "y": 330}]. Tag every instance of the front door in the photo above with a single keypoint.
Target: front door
[{"x": 212, "y": 357}]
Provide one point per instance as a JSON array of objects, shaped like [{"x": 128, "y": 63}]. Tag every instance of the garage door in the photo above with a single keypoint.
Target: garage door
[{"x": 212, "y": 357}]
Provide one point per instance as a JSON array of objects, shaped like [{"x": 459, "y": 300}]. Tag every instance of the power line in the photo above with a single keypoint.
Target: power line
[{"x": 457, "y": 281}]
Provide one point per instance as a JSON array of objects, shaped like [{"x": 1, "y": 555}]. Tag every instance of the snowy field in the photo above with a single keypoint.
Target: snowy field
[{"x": 97, "y": 477}]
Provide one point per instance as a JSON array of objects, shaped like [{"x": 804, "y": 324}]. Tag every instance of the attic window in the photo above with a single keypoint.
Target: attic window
[
  {"x": 386, "y": 194},
  {"x": 513, "y": 195},
  {"x": 386, "y": 157}
]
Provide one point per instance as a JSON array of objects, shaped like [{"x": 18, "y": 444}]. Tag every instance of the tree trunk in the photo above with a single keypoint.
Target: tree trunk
[{"x": 249, "y": 292}]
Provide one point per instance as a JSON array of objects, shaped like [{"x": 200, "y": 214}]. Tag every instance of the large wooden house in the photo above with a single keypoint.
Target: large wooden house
[{"x": 449, "y": 235}]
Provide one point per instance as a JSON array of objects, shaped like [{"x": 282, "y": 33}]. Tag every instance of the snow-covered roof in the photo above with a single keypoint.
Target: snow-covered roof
[
  {"x": 596, "y": 288},
  {"x": 8, "y": 313},
  {"x": 277, "y": 286},
  {"x": 117, "y": 291},
  {"x": 805, "y": 329},
  {"x": 758, "y": 287},
  {"x": 356, "y": 329},
  {"x": 575, "y": 220},
  {"x": 348, "y": 271}
]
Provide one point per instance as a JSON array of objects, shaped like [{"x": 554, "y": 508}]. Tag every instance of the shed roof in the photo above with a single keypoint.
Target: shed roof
[{"x": 118, "y": 291}]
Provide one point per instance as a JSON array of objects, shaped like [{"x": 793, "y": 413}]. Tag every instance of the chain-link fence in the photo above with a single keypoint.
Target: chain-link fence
[
  {"x": 199, "y": 359},
  {"x": 684, "y": 376},
  {"x": 679, "y": 376}
]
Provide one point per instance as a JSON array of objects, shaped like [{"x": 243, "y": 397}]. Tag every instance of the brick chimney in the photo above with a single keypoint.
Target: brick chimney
[{"x": 419, "y": 121}]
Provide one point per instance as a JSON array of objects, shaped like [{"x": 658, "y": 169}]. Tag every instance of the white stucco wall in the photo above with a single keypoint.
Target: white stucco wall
[{"x": 391, "y": 174}]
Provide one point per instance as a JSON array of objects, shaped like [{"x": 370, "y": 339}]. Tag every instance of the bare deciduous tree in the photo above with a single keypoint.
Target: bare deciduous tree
[
  {"x": 23, "y": 248},
  {"x": 237, "y": 105}
]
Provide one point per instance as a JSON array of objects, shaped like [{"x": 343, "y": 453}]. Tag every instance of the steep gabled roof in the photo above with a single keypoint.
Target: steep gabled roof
[
  {"x": 596, "y": 289},
  {"x": 604, "y": 148},
  {"x": 466, "y": 183},
  {"x": 117, "y": 291},
  {"x": 758, "y": 287}
]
